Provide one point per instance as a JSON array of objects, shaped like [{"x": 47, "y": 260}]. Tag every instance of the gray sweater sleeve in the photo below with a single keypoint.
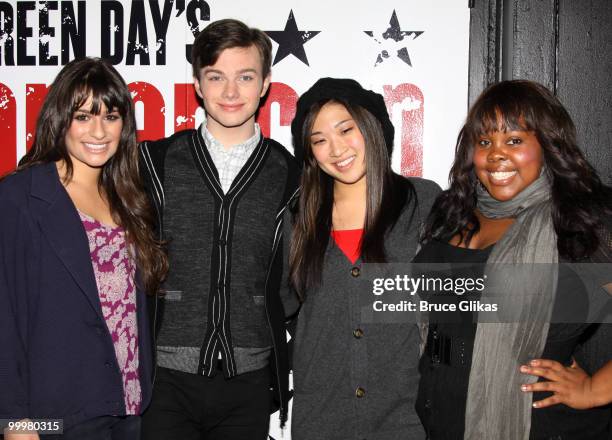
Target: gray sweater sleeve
[
  {"x": 288, "y": 295},
  {"x": 427, "y": 191}
]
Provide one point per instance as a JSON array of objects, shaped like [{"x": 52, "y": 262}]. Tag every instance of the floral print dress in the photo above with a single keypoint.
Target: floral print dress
[{"x": 114, "y": 270}]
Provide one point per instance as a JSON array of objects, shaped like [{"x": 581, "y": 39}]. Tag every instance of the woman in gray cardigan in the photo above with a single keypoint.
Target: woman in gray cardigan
[{"x": 353, "y": 378}]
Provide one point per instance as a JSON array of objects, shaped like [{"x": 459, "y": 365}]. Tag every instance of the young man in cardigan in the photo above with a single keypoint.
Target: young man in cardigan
[{"x": 222, "y": 362}]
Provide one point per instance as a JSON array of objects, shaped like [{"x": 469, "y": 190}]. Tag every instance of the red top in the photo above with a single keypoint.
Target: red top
[{"x": 349, "y": 242}]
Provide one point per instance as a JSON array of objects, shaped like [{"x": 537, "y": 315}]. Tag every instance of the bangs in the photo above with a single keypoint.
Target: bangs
[
  {"x": 103, "y": 92},
  {"x": 501, "y": 113}
]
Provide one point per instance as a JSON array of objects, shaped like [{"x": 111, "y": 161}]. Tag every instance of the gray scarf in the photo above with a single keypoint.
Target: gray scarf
[{"x": 496, "y": 407}]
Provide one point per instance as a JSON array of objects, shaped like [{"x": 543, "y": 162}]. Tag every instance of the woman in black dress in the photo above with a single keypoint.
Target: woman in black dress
[{"x": 521, "y": 193}]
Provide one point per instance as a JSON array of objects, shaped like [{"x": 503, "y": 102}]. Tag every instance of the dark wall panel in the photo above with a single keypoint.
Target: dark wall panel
[
  {"x": 485, "y": 59},
  {"x": 585, "y": 76},
  {"x": 533, "y": 41}
]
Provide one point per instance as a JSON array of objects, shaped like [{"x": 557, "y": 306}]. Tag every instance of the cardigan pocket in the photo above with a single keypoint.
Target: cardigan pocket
[
  {"x": 249, "y": 323},
  {"x": 173, "y": 295}
]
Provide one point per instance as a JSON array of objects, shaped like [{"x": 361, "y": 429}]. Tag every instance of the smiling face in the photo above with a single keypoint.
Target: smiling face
[
  {"x": 231, "y": 90},
  {"x": 507, "y": 162},
  {"x": 91, "y": 140},
  {"x": 338, "y": 144}
]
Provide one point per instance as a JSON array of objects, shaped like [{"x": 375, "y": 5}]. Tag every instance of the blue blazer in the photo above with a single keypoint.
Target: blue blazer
[{"x": 57, "y": 358}]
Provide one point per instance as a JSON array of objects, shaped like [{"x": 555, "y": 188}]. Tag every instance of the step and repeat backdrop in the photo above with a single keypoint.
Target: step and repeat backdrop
[{"x": 413, "y": 52}]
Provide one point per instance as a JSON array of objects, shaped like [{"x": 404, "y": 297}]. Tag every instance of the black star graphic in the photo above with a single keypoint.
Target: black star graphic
[
  {"x": 392, "y": 39},
  {"x": 291, "y": 41}
]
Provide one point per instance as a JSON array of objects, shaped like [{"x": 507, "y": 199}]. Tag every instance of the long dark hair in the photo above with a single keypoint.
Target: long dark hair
[
  {"x": 580, "y": 199},
  {"x": 119, "y": 179},
  {"x": 386, "y": 196}
]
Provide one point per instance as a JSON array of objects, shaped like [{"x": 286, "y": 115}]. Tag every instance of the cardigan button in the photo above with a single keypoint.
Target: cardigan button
[
  {"x": 358, "y": 333},
  {"x": 355, "y": 271},
  {"x": 359, "y": 392}
]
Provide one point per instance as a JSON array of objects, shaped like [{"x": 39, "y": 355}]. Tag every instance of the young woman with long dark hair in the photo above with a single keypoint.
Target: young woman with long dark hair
[
  {"x": 521, "y": 193},
  {"x": 77, "y": 255},
  {"x": 352, "y": 378}
]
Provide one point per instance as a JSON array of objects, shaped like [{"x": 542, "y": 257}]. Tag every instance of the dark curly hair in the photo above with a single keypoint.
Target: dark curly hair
[{"x": 580, "y": 200}]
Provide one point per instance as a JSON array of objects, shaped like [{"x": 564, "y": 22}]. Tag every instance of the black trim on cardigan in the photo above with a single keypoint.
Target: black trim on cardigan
[
  {"x": 218, "y": 328},
  {"x": 152, "y": 165}
]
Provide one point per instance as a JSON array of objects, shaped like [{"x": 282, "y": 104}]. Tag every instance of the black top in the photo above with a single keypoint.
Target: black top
[{"x": 445, "y": 366}]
